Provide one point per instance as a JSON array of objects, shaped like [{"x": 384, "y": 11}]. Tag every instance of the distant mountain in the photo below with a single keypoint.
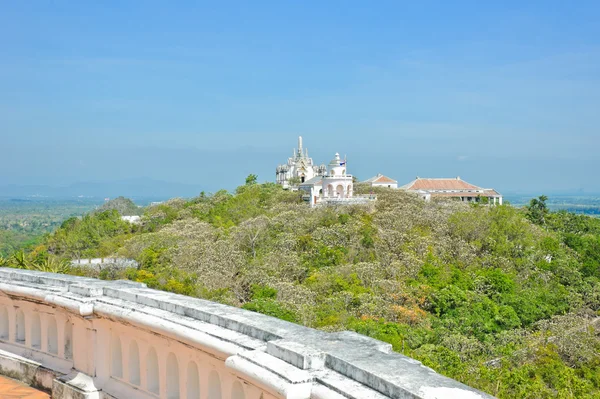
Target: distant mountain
[{"x": 140, "y": 187}]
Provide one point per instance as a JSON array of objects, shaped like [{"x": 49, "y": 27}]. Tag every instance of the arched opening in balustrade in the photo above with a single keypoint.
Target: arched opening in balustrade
[
  {"x": 134, "y": 363},
  {"x": 193, "y": 381},
  {"x": 4, "y": 326},
  {"x": 116, "y": 358},
  {"x": 36, "y": 331},
  {"x": 52, "y": 336},
  {"x": 214, "y": 385},
  {"x": 20, "y": 338},
  {"x": 152, "y": 381},
  {"x": 172, "y": 377},
  {"x": 68, "y": 340},
  {"x": 237, "y": 391}
]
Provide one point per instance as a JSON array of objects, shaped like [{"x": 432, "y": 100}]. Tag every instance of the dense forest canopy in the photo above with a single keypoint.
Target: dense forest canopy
[{"x": 504, "y": 299}]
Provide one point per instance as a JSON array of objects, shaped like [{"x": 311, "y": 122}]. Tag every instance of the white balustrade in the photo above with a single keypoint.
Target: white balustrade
[{"x": 122, "y": 340}]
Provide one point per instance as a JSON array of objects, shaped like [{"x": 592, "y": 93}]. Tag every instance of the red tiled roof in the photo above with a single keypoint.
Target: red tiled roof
[
  {"x": 440, "y": 184},
  {"x": 490, "y": 192},
  {"x": 380, "y": 179},
  {"x": 462, "y": 194},
  {"x": 385, "y": 179}
]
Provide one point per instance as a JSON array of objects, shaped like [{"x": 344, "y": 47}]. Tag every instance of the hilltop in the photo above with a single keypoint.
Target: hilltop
[
  {"x": 504, "y": 299},
  {"x": 124, "y": 206}
]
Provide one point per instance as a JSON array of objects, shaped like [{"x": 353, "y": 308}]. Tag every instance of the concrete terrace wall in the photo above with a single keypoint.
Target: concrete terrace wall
[{"x": 87, "y": 338}]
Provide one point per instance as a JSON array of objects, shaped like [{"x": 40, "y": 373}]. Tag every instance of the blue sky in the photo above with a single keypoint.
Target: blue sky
[{"x": 504, "y": 94}]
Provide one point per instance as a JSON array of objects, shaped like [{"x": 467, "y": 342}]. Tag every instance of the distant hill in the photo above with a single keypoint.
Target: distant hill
[
  {"x": 141, "y": 187},
  {"x": 124, "y": 206}
]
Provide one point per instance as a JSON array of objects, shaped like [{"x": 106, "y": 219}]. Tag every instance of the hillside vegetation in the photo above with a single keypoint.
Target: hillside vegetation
[
  {"x": 23, "y": 223},
  {"x": 124, "y": 206},
  {"x": 503, "y": 299}
]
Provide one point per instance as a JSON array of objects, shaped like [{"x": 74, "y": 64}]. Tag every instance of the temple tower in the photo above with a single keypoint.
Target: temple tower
[{"x": 298, "y": 169}]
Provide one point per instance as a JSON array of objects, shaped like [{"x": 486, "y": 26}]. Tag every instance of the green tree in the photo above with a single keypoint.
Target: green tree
[
  {"x": 251, "y": 179},
  {"x": 537, "y": 210},
  {"x": 294, "y": 181}
]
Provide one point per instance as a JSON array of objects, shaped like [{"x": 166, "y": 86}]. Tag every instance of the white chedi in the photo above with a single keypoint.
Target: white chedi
[{"x": 337, "y": 183}]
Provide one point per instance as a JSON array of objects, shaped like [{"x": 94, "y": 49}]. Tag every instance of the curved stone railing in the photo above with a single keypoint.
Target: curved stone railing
[{"x": 85, "y": 338}]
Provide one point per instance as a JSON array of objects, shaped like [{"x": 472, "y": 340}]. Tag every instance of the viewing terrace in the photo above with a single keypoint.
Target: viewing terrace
[{"x": 84, "y": 338}]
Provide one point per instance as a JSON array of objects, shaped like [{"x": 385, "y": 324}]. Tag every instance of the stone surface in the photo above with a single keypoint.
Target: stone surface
[{"x": 75, "y": 385}]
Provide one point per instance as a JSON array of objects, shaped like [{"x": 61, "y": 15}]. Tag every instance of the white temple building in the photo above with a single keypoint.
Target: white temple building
[
  {"x": 298, "y": 169},
  {"x": 319, "y": 184},
  {"x": 334, "y": 187}
]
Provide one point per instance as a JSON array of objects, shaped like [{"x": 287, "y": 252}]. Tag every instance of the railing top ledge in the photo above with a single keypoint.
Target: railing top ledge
[{"x": 360, "y": 358}]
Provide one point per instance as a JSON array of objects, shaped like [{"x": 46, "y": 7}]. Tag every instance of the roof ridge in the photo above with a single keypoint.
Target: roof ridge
[{"x": 440, "y": 178}]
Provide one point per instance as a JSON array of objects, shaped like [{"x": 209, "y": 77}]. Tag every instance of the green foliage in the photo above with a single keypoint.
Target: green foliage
[
  {"x": 537, "y": 210},
  {"x": 402, "y": 337},
  {"x": 294, "y": 181},
  {"x": 441, "y": 359},
  {"x": 82, "y": 238},
  {"x": 264, "y": 300},
  {"x": 251, "y": 179},
  {"x": 124, "y": 206},
  {"x": 23, "y": 223},
  {"x": 52, "y": 264},
  {"x": 270, "y": 307},
  {"x": 324, "y": 256},
  {"x": 263, "y": 292},
  {"x": 43, "y": 262},
  {"x": 503, "y": 299}
]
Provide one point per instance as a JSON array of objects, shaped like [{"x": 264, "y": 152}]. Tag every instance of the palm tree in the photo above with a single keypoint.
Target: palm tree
[{"x": 538, "y": 210}]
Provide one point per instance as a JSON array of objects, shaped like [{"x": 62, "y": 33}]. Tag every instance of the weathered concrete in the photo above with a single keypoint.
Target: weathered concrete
[{"x": 129, "y": 341}]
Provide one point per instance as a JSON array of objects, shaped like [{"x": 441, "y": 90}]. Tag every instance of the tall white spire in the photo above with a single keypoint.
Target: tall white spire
[{"x": 300, "y": 144}]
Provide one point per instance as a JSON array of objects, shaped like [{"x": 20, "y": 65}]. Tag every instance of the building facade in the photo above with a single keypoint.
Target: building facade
[
  {"x": 336, "y": 186},
  {"x": 381, "y": 181},
  {"x": 427, "y": 188}
]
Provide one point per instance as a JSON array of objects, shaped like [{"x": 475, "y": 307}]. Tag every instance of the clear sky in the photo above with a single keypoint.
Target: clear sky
[{"x": 505, "y": 94}]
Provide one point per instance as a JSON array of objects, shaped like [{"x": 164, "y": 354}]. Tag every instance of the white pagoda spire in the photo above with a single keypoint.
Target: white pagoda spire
[{"x": 298, "y": 166}]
